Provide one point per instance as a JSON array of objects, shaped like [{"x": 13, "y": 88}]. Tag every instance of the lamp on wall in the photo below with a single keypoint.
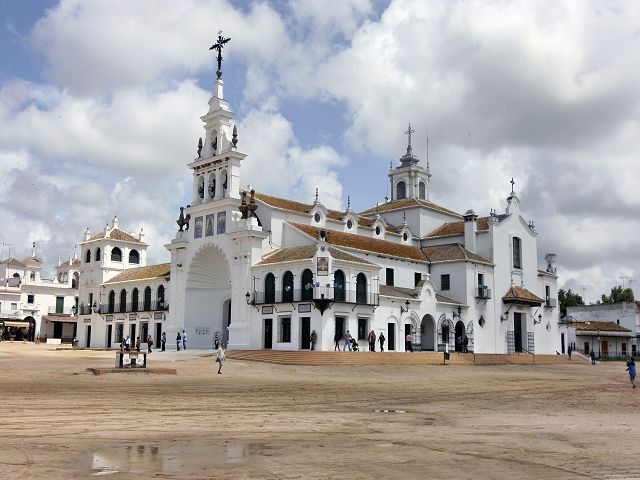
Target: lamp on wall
[
  {"x": 404, "y": 309},
  {"x": 538, "y": 320},
  {"x": 459, "y": 313},
  {"x": 251, "y": 301}
]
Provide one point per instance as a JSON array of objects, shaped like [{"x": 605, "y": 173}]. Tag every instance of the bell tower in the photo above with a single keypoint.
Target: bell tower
[
  {"x": 216, "y": 169},
  {"x": 409, "y": 179}
]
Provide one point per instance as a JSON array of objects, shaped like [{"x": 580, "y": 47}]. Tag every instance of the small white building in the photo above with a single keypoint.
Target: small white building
[{"x": 32, "y": 307}]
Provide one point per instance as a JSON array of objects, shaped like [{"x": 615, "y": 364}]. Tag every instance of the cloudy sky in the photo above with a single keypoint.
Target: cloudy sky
[{"x": 100, "y": 103}]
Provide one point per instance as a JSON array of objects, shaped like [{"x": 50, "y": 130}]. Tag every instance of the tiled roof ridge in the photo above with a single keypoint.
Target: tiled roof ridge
[
  {"x": 125, "y": 275},
  {"x": 306, "y": 207},
  {"x": 408, "y": 202},
  {"x": 125, "y": 237}
]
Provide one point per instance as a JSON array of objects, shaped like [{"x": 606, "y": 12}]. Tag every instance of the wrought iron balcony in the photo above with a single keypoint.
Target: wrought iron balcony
[
  {"x": 483, "y": 292},
  {"x": 150, "y": 306},
  {"x": 337, "y": 295},
  {"x": 551, "y": 303}
]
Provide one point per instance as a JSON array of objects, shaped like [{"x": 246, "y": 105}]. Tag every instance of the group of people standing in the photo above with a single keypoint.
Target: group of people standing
[{"x": 181, "y": 338}]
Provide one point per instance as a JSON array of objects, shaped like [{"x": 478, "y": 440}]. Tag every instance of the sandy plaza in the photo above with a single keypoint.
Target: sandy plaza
[{"x": 260, "y": 420}]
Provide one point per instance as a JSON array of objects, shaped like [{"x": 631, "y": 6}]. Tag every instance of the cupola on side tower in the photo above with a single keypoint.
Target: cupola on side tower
[
  {"x": 409, "y": 179},
  {"x": 216, "y": 169}
]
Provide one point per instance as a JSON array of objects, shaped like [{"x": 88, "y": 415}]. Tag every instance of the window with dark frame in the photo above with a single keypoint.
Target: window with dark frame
[
  {"x": 445, "y": 282},
  {"x": 362, "y": 329},
  {"x": 389, "y": 277},
  {"x": 417, "y": 276},
  {"x": 480, "y": 280},
  {"x": 31, "y": 298},
  {"x": 517, "y": 253}
]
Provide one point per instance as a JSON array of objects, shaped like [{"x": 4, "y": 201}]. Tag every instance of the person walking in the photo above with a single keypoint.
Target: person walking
[
  {"x": 631, "y": 368},
  {"x": 592, "y": 356},
  {"x": 407, "y": 343},
  {"x": 138, "y": 343},
  {"x": 336, "y": 341},
  {"x": 569, "y": 352},
  {"x": 347, "y": 341},
  {"x": 178, "y": 338},
  {"x": 163, "y": 340},
  {"x": 313, "y": 339},
  {"x": 149, "y": 343},
  {"x": 372, "y": 341},
  {"x": 127, "y": 343},
  {"x": 184, "y": 340},
  {"x": 220, "y": 358},
  {"x": 381, "y": 339}
]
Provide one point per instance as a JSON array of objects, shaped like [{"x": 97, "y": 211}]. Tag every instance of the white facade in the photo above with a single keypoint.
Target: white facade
[{"x": 257, "y": 271}]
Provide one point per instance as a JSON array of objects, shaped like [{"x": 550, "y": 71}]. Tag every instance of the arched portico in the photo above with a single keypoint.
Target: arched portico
[
  {"x": 428, "y": 333},
  {"x": 207, "y": 297}
]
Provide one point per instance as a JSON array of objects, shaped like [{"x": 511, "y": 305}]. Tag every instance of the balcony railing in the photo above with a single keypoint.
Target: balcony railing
[
  {"x": 155, "y": 305},
  {"x": 551, "y": 302},
  {"x": 483, "y": 292},
  {"x": 10, "y": 313},
  {"x": 63, "y": 311},
  {"x": 338, "y": 295}
]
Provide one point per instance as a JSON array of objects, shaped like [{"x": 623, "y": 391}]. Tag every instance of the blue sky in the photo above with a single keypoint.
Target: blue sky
[{"x": 100, "y": 104}]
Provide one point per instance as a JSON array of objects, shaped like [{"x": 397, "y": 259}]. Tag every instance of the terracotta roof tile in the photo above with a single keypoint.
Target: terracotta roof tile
[
  {"x": 596, "y": 325},
  {"x": 443, "y": 299},
  {"x": 142, "y": 273},
  {"x": 360, "y": 242},
  {"x": 13, "y": 261},
  {"x": 457, "y": 228},
  {"x": 393, "y": 291},
  {"x": 294, "y": 206},
  {"x": 452, "y": 252},
  {"x": 521, "y": 295},
  {"x": 306, "y": 252},
  {"x": 406, "y": 203},
  {"x": 116, "y": 234}
]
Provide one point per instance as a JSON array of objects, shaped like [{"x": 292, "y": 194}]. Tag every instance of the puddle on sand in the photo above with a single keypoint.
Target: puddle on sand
[{"x": 169, "y": 459}]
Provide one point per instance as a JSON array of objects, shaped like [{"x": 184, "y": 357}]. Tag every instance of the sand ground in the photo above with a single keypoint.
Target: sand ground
[{"x": 267, "y": 421}]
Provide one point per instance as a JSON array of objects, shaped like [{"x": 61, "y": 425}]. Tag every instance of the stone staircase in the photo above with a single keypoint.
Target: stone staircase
[{"x": 303, "y": 357}]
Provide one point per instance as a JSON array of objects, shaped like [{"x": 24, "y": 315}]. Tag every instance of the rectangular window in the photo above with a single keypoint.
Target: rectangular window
[
  {"x": 285, "y": 329},
  {"x": 445, "y": 282},
  {"x": 14, "y": 306},
  {"x": 59, "y": 304},
  {"x": 390, "y": 277},
  {"x": 417, "y": 276},
  {"x": 31, "y": 299},
  {"x": 362, "y": 329},
  {"x": 480, "y": 280},
  {"x": 517, "y": 253},
  {"x": 547, "y": 292}
]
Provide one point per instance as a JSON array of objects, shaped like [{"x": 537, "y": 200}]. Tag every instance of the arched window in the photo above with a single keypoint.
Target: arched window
[
  {"x": 98, "y": 254},
  {"x": 160, "y": 296},
  {"x": 401, "y": 190},
  {"x": 287, "y": 287},
  {"x": 517, "y": 253},
  {"x": 134, "y": 257},
  {"x": 134, "y": 300},
  {"x": 74, "y": 284},
  {"x": 361, "y": 288},
  {"x": 422, "y": 191},
  {"x": 112, "y": 302},
  {"x": 88, "y": 256},
  {"x": 147, "y": 299},
  {"x": 116, "y": 254},
  {"x": 306, "y": 285},
  {"x": 339, "y": 286},
  {"x": 269, "y": 288},
  {"x": 123, "y": 300}
]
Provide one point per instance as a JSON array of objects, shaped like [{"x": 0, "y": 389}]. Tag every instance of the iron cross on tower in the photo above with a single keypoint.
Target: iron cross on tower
[{"x": 219, "y": 46}]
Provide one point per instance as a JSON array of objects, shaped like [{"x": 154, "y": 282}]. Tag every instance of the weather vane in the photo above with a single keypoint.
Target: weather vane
[{"x": 219, "y": 46}]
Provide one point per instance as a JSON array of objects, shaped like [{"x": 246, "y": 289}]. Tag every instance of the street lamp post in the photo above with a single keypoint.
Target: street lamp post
[{"x": 598, "y": 332}]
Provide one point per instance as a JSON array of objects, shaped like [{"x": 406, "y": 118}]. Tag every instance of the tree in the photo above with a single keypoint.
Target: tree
[
  {"x": 568, "y": 299},
  {"x": 618, "y": 295}
]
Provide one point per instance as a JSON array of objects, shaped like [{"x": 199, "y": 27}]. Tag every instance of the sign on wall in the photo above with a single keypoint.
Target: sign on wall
[
  {"x": 304, "y": 308},
  {"x": 222, "y": 222},
  {"x": 209, "y": 222},
  {"x": 197, "y": 229},
  {"x": 323, "y": 266}
]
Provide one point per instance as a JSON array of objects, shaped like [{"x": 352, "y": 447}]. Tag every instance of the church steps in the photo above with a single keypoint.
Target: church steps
[{"x": 387, "y": 358}]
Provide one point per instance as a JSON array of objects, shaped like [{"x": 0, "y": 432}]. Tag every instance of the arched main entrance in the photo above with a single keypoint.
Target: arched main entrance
[
  {"x": 207, "y": 293},
  {"x": 460, "y": 336},
  {"x": 428, "y": 333}
]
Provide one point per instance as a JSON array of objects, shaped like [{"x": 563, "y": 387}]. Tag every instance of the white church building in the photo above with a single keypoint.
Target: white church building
[{"x": 263, "y": 272}]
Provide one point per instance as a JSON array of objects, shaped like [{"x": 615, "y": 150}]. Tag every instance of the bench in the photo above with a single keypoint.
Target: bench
[{"x": 132, "y": 357}]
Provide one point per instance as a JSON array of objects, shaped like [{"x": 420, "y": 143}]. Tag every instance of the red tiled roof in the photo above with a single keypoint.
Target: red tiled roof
[
  {"x": 116, "y": 234},
  {"x": 294, "y": 206},
  {"x": 594, "y": 326},
  {"x": 143, "y": 273},
  {"x": 407, "y": 203},
  {"x": 457, "y": 228},
  {"x": 306, "y": 252},
  {"x": 360, "y": 242},
  {"x": 452, "y": 252},
  {"x": 521, "y": 295}
]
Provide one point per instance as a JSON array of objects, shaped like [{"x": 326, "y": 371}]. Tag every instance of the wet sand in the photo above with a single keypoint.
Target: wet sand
[{"x": 267, "y": 421}]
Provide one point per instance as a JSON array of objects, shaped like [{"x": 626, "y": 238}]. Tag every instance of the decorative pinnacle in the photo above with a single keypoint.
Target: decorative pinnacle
[
  {"x": 316, "y": 200},
  {"x": 512, "y": 184},
  {"x": 348, "y": 203},
  {"x": 409, "y": 132},
  {"x": 219, "y": 45}
]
